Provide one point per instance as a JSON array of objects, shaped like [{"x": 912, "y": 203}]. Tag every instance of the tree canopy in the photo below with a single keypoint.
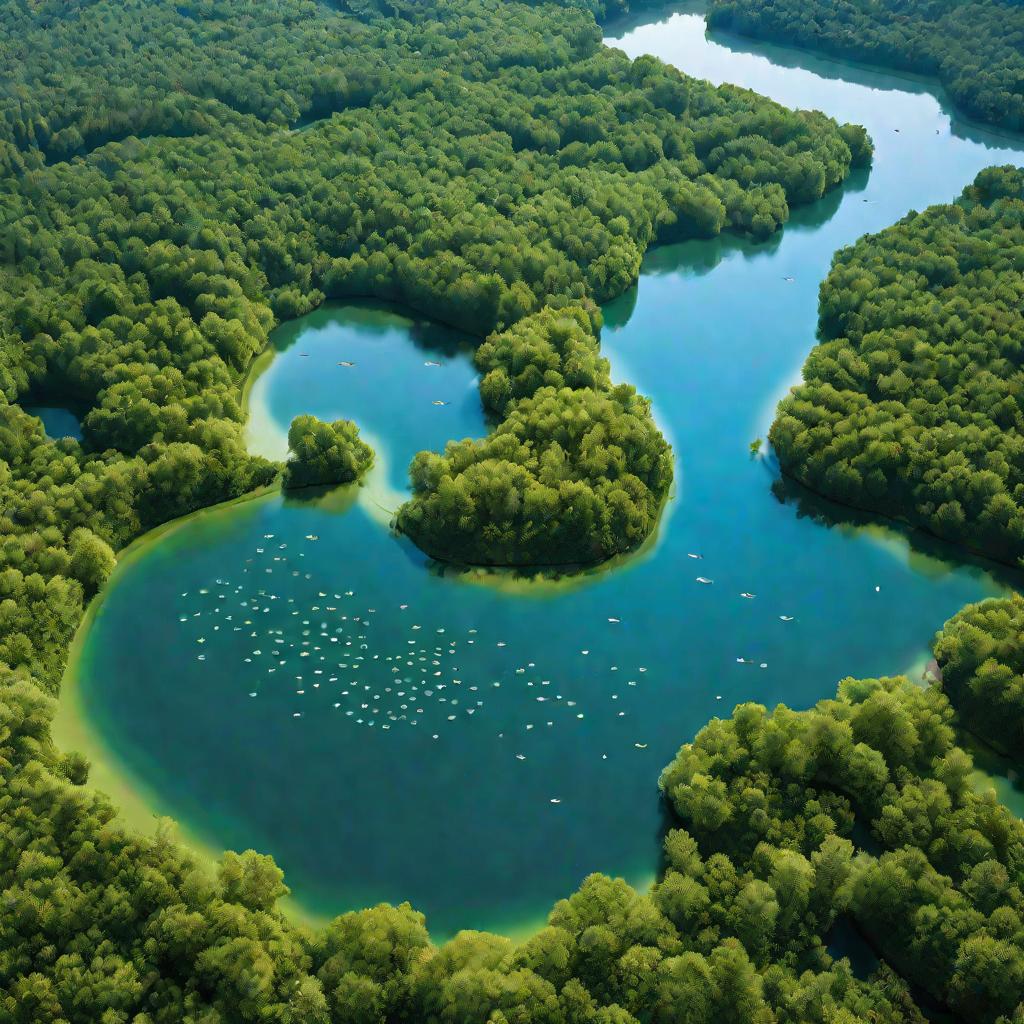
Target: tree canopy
[
  {"x": 911, "y": 403},
  {"x": 980, "y": 654},
  {"x": 575, "y": 470},
  {"x": 177, "y": 177},
  {"x": 872, "y": 785}
]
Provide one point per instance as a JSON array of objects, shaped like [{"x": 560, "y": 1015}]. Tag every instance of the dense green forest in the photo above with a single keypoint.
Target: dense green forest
[
  {"x": 910, "y": 405},
  {"x": 981, "y": 658},
  {"x": 325, "y": 453},
  {"x": 492, "y": 165},
  {"x": 974, "y": 47}
]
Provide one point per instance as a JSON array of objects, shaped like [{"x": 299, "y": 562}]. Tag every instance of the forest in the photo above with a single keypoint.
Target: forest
[
  {"x": 974, "y": 47},
  {"x": 870, "y": 792},
  {"x": 910, "y": 405},
  {"x": 981, "y": 660},
  {"x": 493, "y": 165}
]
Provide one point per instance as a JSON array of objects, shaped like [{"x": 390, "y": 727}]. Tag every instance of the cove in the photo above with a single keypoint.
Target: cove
[{"x": 554, "y": 706}]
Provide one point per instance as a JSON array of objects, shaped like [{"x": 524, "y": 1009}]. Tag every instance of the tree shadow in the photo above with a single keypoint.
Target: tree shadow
[
  {"x": 697, "y": 257},
  {"x": 334, "y": 499},
  {"x": 930, "y": 555},
  {"x": 374, "y": 317},
  {"x": 647, "y": 12},
  {"x": 870, "y": 76}
]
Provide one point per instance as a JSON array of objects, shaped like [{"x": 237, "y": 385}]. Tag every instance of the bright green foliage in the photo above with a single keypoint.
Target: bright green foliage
[
  {"x": 575, "y": 471},
  {"x": 980, "y": 653},
  {"x": 92, "y": 559},
  {"x": 325, "y": 453},
  {"x": 936, "y": 874},
  {"x": 911, "y": 405},
  {"x": 975, "y": 47}
]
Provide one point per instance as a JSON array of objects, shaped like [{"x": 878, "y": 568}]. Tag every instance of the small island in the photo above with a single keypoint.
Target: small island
[{"x": 325, "y": 453}]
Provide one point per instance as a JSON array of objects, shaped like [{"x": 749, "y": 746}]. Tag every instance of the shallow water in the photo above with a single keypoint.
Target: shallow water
[{"x": 442, "y": 789}]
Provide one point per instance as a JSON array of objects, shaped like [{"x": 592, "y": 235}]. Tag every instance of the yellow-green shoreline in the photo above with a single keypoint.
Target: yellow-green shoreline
[{"x": 136, "y": 803}]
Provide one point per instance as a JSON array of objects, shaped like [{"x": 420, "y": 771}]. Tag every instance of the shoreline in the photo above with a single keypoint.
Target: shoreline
[
  {"x": 139, "y": 805},
  {"x": 658, "y": 12},
  {"x": 72, "y": 728},
  {"x": 903, "y": 526}
]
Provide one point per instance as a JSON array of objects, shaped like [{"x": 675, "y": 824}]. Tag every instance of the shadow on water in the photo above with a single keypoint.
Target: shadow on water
[
  {"x": 58, "y": 421},
  {"x": 697, "y": 257},
  {"x": 930, "y": 556},
  {"x": 856, "y": 73},
  {"x": 846, "y": 941},
  {"x": 336, "y": 500},
  {"x": 787, "y": 56},
  {"x": 996, "y": 770},
  {"x": 701, "y": 256},
  {"x": 645, "y": 12}
]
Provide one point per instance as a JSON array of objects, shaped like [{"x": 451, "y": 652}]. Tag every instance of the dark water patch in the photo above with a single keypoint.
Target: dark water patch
[
  {"x": 58, "y": 422},
  {"x": 937, "y": 555},
  {"x": 994, "y": 769},
  {"x": 846, "y": 941}
]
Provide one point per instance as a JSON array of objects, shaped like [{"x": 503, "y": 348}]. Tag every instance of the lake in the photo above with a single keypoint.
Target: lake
[{"x": 285, "y": 674}]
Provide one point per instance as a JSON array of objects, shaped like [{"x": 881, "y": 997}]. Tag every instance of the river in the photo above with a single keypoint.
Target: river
[{"x": 285, "y": 674}]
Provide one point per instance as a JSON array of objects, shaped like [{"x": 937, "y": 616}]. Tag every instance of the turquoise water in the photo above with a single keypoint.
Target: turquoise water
[{"x": 286, "y": 674}]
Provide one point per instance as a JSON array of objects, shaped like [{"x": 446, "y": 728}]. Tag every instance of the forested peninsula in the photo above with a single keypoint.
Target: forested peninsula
[
  {"x": 974, "y": 47},
  {"x": 870, "y": 792},
  {"x": 574, "y": 471},
  {"x": 910, "y": 405},
  {"x": 980, "y": 657}
]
